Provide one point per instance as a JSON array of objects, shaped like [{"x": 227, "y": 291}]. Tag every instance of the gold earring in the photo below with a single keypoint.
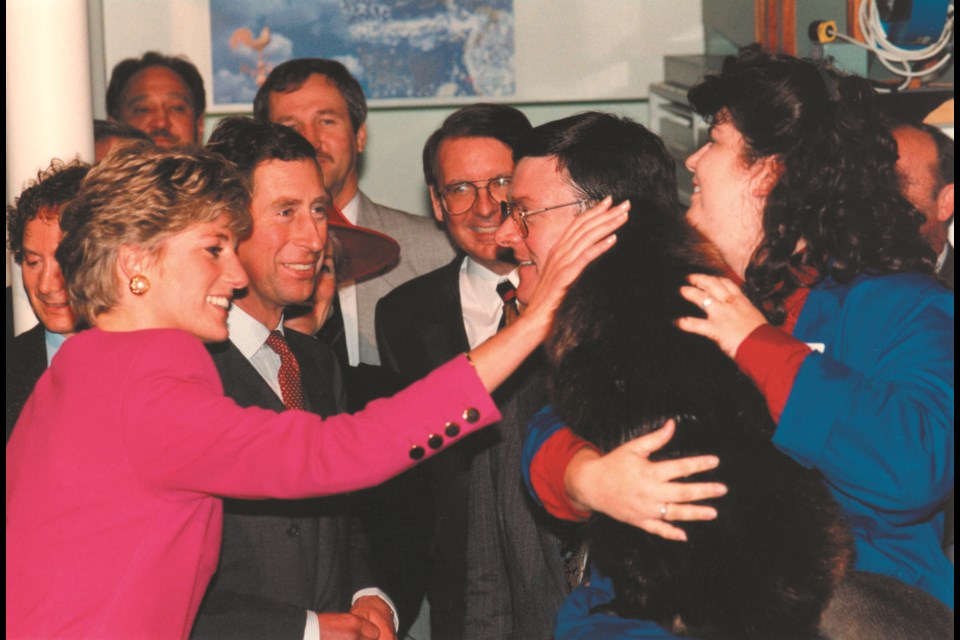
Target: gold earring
[{"x": 139, "y": 285}]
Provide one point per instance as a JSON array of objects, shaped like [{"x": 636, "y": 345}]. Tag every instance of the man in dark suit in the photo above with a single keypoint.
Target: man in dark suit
[
  {"x": 493, "y": 591},
  {"x": 33, "y": 231},
  {"x": 288, "y": 569}
]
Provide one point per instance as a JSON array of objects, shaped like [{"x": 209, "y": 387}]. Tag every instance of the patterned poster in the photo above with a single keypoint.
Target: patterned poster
[{"x": 429, "y": 50}]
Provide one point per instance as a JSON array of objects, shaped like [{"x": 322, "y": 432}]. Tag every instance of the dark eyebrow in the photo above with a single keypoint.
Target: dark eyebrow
[
  {"x": 496, "y": 177},
  {"x": 322, "y": 200},
  {"x": 140, "y": 97},
  {"x": 284, "y": 201}
]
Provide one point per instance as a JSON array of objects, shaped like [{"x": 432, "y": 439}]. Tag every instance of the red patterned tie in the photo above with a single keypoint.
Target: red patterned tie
[
  {"x": 508, "y": 293},
  {"x": 291, "y": 387}
]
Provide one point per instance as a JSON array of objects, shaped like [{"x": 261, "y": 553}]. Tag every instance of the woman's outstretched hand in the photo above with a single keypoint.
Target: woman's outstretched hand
[
  {"x": 625, "y": 485},
  {"x": 731, "y": 317},
  {"x": 589, "y": 236}
]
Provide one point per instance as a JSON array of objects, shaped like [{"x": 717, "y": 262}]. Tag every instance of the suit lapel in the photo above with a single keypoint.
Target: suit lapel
[
  {"x": 241, "y": 381},
  {"x": 446, "y": 310}
]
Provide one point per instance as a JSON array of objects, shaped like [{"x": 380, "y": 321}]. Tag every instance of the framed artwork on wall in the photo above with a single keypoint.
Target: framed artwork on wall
[
  {"x": 412, "y": 53},
  {"x": 401, "y": 52}
]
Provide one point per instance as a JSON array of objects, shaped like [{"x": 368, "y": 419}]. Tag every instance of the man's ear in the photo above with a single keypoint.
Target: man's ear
[
  {"x": 437, "y": 207},
  {"x": 362, "y": 137},
  {"x": 199, "y": 128},
  {"x": 945, "y": 203}
]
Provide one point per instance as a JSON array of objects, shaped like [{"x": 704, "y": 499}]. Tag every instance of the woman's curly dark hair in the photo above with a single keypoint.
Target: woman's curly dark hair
[{"x": 837, "y": 191}]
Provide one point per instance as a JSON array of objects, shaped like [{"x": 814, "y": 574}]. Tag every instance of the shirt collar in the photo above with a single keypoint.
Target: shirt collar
[
  {"x": 246, "y": 333},
  {"x": 474, "y": 269},
  {"x": 53, "y": 342},
  {"x": 351, "y": 211}
]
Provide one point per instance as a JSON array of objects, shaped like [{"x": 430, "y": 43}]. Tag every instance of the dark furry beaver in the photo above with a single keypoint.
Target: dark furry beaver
[{"x": 765, "y": 568}]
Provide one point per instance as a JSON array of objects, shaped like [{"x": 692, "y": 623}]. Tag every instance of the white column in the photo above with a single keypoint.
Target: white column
[{"x": 49, "y": 108}]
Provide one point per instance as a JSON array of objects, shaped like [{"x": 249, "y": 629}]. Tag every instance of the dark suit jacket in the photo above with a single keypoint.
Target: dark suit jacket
[
  {"x": 26, "y": 361},
  {"x": 515, "y": 575},
  {"x": 420, "y": 326},
  {"x": 280, "y": 558}
]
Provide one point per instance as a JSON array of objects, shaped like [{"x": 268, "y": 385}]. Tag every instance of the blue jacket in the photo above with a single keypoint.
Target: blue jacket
[{"x": 873, "y": 412}]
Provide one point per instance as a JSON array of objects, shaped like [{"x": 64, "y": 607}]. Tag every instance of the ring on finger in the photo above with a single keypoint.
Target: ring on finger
[
  {"x": 663, "y": 511},
  {"x": 706, "y": 302}
]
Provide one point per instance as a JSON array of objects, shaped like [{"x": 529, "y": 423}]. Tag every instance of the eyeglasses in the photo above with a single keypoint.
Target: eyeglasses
[
  {"x": 519, "y": 216},
  {"x": 458, "y": 198}
]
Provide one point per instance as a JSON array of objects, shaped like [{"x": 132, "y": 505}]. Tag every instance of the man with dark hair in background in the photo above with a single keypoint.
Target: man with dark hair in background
[
  {"x": 163, "y": 96},
  {"x": 323, "y": 102},
  {"x": 33, "y": 232}
]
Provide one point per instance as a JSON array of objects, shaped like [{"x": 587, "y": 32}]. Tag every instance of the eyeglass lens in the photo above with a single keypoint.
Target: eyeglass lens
[{"x": 459, "y": 197}]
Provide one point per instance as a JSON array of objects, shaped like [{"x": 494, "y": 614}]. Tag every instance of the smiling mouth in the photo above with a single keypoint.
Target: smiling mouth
[
  {"x": 303, "y": 267},
  {"x": 223, "y": 302}
]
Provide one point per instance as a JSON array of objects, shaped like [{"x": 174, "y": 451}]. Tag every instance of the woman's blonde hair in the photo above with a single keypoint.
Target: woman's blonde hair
[{"x": 141, "y": 196}]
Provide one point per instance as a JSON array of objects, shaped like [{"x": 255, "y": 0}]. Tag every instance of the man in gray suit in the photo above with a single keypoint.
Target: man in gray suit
[
  {"x": 496, "y": 569},
  {"x": 323, "y": 102},
  {"x": 288, "y": 569}
]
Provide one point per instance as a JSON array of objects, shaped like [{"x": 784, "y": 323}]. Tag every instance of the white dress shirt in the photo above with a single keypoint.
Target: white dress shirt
[
  {"x": 481, "y": 304},
  {"x": 348, "y": 296}
]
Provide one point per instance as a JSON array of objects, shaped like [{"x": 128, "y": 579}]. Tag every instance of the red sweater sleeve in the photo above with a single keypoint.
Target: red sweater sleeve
[
  {"x": 547, "y": 471},
  {"x": 771, "y": 358}
]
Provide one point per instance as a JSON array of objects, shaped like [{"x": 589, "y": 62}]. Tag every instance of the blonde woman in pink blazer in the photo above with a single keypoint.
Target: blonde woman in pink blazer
[{"x": 116, "y": 465}]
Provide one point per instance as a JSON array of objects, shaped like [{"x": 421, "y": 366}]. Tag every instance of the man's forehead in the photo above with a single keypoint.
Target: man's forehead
[
  {"x": 454, "y": 151},
  {"x": 275, "y": 172},
  {"x": 538, "y": 177},
  {"x": 306, "y": 92},
  {"x": 149, "y": 79},
  {"x": 915, "y": 145}
]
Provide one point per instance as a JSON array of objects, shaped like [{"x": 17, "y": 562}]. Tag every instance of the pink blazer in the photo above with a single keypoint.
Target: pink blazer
[{"x": 114, "y": 468}]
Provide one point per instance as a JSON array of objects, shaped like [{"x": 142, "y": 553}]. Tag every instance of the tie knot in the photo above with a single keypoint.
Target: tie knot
[
  {"x": 508, "y": 292},
  {"x": 278, "y": 343}
]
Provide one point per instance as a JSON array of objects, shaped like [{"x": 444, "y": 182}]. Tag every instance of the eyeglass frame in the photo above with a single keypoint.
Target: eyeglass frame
[
  {"x": 507, "y": 208},
  {"x": 476, "y": 192}
]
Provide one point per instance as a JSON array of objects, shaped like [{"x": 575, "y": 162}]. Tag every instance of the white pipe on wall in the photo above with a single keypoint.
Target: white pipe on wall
[{"x": 49, "y": 107}]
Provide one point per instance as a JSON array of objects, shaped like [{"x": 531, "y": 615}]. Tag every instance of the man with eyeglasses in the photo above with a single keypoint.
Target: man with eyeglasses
[
  {"x": 566, "y": 166},
  {"x": 478, "y": 587}
]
